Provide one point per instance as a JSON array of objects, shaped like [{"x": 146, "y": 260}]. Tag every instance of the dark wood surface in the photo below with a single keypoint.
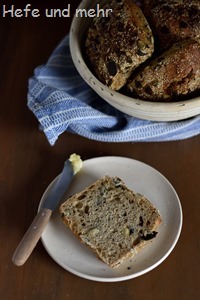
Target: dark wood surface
[{"x": 29, "y": 164}]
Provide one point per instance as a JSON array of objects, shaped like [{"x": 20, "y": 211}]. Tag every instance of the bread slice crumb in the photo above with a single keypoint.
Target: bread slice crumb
[{"x": 111, "y": 219}]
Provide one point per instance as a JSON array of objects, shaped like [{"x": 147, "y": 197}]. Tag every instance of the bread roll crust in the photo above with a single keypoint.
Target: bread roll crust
[
  {"x": 173, "y": 20},
  {"x": 117, "y": 44},
  {"x": 173, "y": 75}
]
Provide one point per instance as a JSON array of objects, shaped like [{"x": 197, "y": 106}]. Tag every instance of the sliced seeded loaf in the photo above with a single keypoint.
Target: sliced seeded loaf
[
  {"x": 112, "y": 220},
  {"x": 117, "y": 44}
]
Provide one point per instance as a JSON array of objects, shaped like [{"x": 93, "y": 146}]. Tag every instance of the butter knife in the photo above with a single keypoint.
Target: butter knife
[{"x": 34, "y": 232}]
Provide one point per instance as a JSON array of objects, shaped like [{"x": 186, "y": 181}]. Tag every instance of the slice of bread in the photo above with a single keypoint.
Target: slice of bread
[{"x": 111, "y": 219}]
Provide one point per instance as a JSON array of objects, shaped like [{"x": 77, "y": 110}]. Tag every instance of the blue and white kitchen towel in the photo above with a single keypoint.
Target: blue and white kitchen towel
[{"x": 62, "y": 101}]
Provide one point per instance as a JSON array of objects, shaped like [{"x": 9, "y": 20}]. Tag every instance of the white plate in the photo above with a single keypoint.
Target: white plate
[{"x": 78, "y": 259}]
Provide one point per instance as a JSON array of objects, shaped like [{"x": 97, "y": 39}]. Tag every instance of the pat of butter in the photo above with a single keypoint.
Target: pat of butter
[{"x": 76, "y": 162}]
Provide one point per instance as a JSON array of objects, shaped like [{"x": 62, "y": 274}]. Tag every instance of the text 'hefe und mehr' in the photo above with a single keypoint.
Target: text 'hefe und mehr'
[{"x": 28, "y": 11}]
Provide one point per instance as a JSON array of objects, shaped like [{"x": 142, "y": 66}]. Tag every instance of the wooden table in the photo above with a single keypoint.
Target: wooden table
[{"x": 29, "y": 164}]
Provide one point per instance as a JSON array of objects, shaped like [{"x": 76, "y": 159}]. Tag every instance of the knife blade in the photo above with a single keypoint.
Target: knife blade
[{"x": 35, "y": 230}]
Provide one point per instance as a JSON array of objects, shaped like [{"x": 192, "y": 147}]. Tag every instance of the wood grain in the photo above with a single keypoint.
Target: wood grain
[{"x": 28, "y": 164}]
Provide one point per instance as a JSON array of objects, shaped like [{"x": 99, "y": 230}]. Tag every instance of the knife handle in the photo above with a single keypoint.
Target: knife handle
[{"x": 31, "y": 237}]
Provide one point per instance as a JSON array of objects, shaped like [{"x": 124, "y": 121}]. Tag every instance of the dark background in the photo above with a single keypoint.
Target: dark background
[{"x": 28, "y": 164}]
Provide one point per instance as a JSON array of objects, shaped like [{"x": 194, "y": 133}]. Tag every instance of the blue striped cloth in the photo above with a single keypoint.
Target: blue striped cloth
[{"x": 62, "y": 101}]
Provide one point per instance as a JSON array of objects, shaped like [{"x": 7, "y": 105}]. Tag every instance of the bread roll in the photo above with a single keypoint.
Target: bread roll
[
  {"x": 117, "y": 44},
  {"x": 174, "y": 74},
  {"x": 173, "y": 20}
]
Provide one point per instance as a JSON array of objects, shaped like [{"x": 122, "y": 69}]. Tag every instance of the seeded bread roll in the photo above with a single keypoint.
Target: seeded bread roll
[
  {"x": 117, "y": 44},
  {"x": 173, "y": 20},
  {"x": 175, "y": 74},
  {"x": 111, "y": 219}
]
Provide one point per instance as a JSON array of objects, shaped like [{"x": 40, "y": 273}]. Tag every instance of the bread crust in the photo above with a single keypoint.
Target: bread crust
[
  {"x": 173, "y": 20},
  {"x": 117, "y": 44},
  {"x": 175, "y": 74},
  {"x": 111, "y": 219}
]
